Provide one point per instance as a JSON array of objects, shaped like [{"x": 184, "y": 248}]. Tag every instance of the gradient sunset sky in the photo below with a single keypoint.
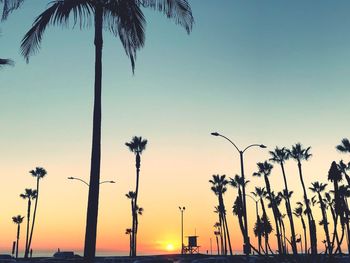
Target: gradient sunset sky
[{"x": 272, "y": 72}]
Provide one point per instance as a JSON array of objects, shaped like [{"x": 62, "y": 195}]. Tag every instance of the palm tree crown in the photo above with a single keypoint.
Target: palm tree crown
[
  {"x": 279, "y": 155},
  {"x": 344, "y": 146},
  {"x": 39, "y": 172},
  {"x": 263, "y": 169},
  {"x": 334, "y": 173},
  {"x": 137, "y": 145},
  {"x": 219, "y": 183},
  {"x": 298, "y": 153},
  {"x": 17, "y": 219},
  {"x": 29, "y": 194}
]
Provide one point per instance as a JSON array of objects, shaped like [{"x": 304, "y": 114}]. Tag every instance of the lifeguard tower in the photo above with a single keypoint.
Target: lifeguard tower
[{"x": 192, "y": 246}]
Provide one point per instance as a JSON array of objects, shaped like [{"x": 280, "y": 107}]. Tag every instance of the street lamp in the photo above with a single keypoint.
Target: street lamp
[
  {"x": 246, "y": 245},
  {"x": 182, "y": 209},
  {"x": 81, "y": 180}
]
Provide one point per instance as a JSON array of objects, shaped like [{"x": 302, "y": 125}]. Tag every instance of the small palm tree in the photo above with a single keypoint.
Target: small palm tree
[
  {"x": 39, "y": 173},
  {"x": 131, "y": 196},
  {"x": 29, "y": 194},
  {"x": 124, "y": 19},
  {"x": 264, "y": 169},
  {"x": 344, "y": 146},
  {"x": 299, "y": 154},
  {"x": 318, "y": 188},
  {"x": 266, "y": 225},
  {"x": 280, "y": 156},
  {"x": 128, "y": 232},
  {"x": 219, "y": 188},
  {"x": 137, "y": 145},
  {"x": 18, "y": 221},
  {"x": 217, "y": 233},
  {"x": 298, "y": 212}
]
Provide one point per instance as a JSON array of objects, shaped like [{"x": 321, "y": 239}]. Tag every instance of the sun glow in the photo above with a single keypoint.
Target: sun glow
[{"x": 170, "y": 247}]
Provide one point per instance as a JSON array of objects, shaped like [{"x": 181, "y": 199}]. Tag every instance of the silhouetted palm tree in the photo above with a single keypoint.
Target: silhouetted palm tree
[
  {"x": 18, "y": 221},
  {"x": 219, "y": 183},
  {"x": 221, "y": 229},
  {"x": 318, "y": 188},
  {"x": 344, "y": 168},
  {"x": 266, "y": 225},
  {"x": 29, "y": 194},
  {"x": 217, "y": 233},
  {"x": 124, "y": 19},
  {"x": 131, "y": 196},
  {"x": 128, "y": 232},
  {"x": 237, "y": 182},
  {"x": 264, "y": 169},
  {"x": 137, "y": 145},
  {"x": 344, "y": 146},
  {"x": 280, "y": 155},
  {"x": 298, "y": 212},
  {"x": 39, "y": 173},
  {"x": 299, "y": 154}
]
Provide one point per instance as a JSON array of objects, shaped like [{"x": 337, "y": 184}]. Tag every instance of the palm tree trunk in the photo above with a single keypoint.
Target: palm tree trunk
[
  {"x": 325, "y": 224},
  {"x": 289, "y": 213},
  {"x": 305, "y": 238},
  {"x": 311, "y": 221},
  {"x": 221, "y": 234},
  {"x": 17, "y": 241},
  {"x": 34, "y": 213},
  {"x": 26, "y": 251},
  {"x": 228, "y": 235},
  {"x": 92, "y": 210}
]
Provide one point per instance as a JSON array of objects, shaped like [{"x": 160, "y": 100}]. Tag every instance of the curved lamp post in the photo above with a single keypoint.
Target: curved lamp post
[
  {"x": 182, "y": 209},
  {"x": 81, "y": 180},
  {"x": 246, "y": 245}
]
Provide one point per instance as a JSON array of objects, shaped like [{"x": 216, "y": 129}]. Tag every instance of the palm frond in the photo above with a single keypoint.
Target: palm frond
[
  {"x": 57, "y": 14},
  {"x": 179, "y": 10}
]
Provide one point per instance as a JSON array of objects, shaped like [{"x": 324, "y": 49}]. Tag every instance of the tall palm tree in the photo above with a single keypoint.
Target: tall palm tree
[
  {"x": 299, "y": 154},
  {"x": 124, "y": 19},
  {"x": 39, "y": 173},
  {"x": 219, "y": 188},
  {"x": 330, "y": 204},
  {"x": 18, "y": 221},
  {"x": 298, "y": 212},
  {"x": 280, "y": 156},
  {"x": 137, "y": 145},
  {"x": 264, "y": 169},
  {"x": 29, "y": 194},
  {"x": 318, "y": 188},
  {"x": 344, "y": 146}
]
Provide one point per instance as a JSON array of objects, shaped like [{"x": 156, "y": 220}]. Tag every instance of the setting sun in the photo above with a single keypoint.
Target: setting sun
[{"x": 170, "y": 247}]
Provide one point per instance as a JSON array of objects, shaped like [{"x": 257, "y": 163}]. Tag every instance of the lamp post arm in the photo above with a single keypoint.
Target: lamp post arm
[
  {"x": 81, "y": 180},
  {"x": 230, "y": 142},
  {"x": 111, "y": 182},
  {"x": 252, "y": 145}
]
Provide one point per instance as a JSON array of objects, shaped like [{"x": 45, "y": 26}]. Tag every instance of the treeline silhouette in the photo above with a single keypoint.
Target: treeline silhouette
[{"x": 331, "y": 201}]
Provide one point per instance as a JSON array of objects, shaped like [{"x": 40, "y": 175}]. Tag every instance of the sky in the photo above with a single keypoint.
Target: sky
[{"x": 272, "y": 72}]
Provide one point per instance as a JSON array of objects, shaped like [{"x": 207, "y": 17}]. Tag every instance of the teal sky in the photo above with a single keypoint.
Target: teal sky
[
  {"x": 274, "y": 72},
  {"x": 248, "y": 66}
]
